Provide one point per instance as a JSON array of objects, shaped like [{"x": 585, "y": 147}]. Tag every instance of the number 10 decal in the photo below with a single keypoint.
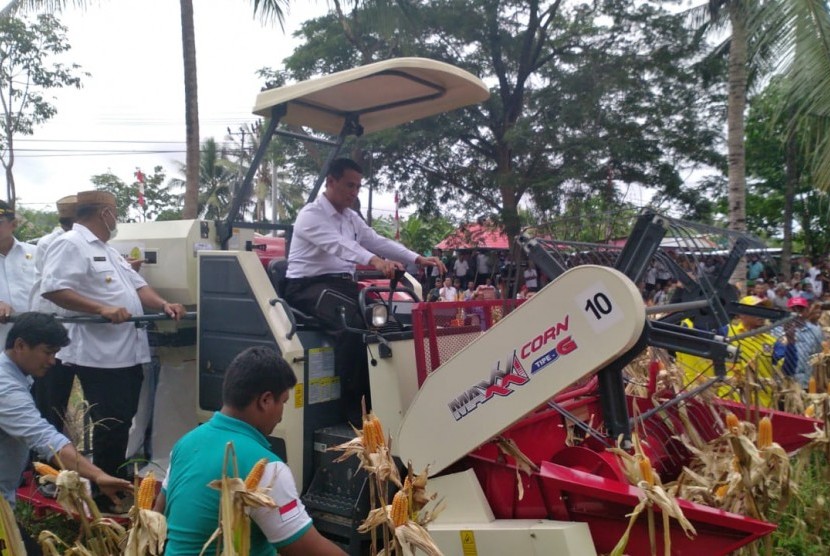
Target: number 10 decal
[{"x": 599, "y": 307}]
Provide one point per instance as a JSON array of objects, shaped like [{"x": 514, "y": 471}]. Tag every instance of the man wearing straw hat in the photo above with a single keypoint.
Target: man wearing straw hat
[
  {"x": 17, "y": 270},
  {"x": 51, "y": 392},
  {"x": 83, "y": 275}
]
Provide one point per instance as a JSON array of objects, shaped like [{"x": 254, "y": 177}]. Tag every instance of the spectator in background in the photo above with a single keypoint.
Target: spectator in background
[
  {"x": 469, "y": 293},
  {"x": 448, "y": 292},
  {"x": 435, "y": 293},
  {"x": 760, "y": 289},
  {"x": 796, "y": 290},
  {"x": 755, "y": 268},
  {"x": 486, "y": 290},
  {"x": 456, "y": 283},
  {"x": 650, "y": 281},
  {"x": 807, "y": 290},
  {"x": 781, "y": 296},
  {"x": 531, "y": 277},
  {"x": 17, "y": 270},
  {"x": 461, "y": 268},
  {"x": 483, "y": 268},
  {"x": 808, "y": 336},
  {"x": 663, "y": 274}
]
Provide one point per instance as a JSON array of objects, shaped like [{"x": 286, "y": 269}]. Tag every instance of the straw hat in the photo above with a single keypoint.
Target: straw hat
[
  {"x": 96, "y": 198},
  {"x": 66, "y": 206}
]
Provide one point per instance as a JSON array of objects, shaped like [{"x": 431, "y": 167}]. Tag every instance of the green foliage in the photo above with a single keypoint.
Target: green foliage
[
  {"x": 58, "y": 523},
  {"x": 216, "y": 181},
  {"x": 158, "y": 200},
  {"x": 422, "y": 234},
  {"x": 33, "y": 224},
  {"x": 767, "y": 136},
  {"x": 802, "y": 525},
  {"x": 27, "y": 71}
]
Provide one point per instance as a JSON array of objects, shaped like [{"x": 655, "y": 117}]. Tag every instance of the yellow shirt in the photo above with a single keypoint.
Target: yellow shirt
[{"x": 754, "y": 350}]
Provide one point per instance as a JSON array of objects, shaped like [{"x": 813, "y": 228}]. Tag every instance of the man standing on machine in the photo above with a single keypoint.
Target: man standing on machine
[{"x": 329, "y": 240}]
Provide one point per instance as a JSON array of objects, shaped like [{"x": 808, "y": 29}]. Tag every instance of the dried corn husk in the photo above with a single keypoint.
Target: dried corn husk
[{"x": 9, "y": 531}]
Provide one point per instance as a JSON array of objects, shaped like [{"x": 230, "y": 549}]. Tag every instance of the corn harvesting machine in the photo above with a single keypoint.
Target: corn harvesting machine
[{"x": 453, "y": 382}]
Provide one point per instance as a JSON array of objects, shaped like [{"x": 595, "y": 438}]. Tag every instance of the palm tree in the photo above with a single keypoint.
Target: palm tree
[
  {"x": 798, "y": 31},
  {"x": 267, "y": 9},
  {"x": 216, "y": 179}
]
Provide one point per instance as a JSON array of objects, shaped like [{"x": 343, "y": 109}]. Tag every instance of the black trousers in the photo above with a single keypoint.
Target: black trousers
[
  {"x": 113, "y": 399},
  {"x": 30, "y": 544},
  {"x": 349, "y": 349},
  {"x": 51, "y": 393}
]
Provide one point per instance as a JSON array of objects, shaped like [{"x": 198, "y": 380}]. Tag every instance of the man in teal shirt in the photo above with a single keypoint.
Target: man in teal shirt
[{"x": 254, "y": 392}]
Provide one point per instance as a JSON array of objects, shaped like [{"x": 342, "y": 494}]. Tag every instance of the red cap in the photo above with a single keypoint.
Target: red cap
[{"x": 797, "y": 302}]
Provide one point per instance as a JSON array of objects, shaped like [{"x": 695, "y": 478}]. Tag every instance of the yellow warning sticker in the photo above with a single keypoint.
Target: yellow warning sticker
[
  {"x": 468, "y": 543},
  {"x": 298, "y": 395}
]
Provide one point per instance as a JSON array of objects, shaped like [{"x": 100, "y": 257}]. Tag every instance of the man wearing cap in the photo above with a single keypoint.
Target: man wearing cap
[
  {"x": 83, "y": 275},
  {"x": 808, "y": 338},
  {"x": 760, "y": 352},
  {"x": 17, "y": 270},
  {"x": 51, "y": 392}
]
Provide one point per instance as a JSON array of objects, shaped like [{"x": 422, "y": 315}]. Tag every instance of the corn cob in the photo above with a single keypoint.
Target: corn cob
[
  {"x": 811, "y": 386},
  {"x": 721, "y": 491},
  {"x": 646, "y": 471},
  {"x": 764, "y": 433},
  {"x": 731, "y": 421},
  {"x": 810, "y": 411},
  {"x": 400, "y": 508},
  {"x": 373, "y": 434},
  {"x": 44, "y": 469},
  {"x": 253, "y": 478},
  {"x": 146, "y": 492}
]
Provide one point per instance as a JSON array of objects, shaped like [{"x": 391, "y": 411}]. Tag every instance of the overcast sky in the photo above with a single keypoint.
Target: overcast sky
[{"x": 133, "y": 102}]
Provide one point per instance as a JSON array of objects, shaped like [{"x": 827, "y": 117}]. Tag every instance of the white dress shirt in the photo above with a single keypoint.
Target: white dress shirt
[
  {"x": 17, "y": 274},
  {"x": 79, "y": 261},
  {"x": 327, "y": 242},
  {"x": 36, "y": 302}
]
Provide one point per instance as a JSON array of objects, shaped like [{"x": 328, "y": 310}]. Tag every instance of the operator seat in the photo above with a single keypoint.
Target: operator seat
[{"x": 276, "y": 271}]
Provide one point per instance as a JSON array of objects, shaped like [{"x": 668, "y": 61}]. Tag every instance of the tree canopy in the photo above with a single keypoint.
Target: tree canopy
[{"x": 586, "y": 100}]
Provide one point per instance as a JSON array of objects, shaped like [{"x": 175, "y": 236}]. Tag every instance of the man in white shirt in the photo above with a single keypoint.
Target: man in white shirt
[
  {"x": 531, "y": 278},
  {"x": 448, "y": 292},
  {"x": 83, "y": 275},
  {"x": 51, "y": 392},
  {"x": 461, "y": 268},
  {"x": 17, "y": 270},
  {"x": 328, "y": 241}
]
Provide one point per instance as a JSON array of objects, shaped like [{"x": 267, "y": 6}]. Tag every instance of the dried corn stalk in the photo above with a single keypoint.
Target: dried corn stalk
[
  {"x": 9, "y": 533},
  {"x": 234, "y": 522},
  {"x": 148, "y": 532},
  {"x": 637, "y": 468},
  {"x": 403, "y": 522}
]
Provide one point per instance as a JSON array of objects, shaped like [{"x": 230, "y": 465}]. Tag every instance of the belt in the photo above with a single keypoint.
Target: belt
[{"x": 324, "y": 278}]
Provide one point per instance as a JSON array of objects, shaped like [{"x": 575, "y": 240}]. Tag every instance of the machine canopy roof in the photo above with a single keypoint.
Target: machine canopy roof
[{"x": 383, "y": 95}]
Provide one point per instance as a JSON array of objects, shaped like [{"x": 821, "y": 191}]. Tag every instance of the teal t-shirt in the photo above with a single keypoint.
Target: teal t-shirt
[{"x": 192, "y": 507}]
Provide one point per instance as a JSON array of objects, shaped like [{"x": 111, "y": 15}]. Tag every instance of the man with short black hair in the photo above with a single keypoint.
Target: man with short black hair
[
  {"x": 17, "y": 270},
  {"x": 30, "y": 350},
  {"x": 328, "y": 241},
  {"x": 254, "y": 392}
]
